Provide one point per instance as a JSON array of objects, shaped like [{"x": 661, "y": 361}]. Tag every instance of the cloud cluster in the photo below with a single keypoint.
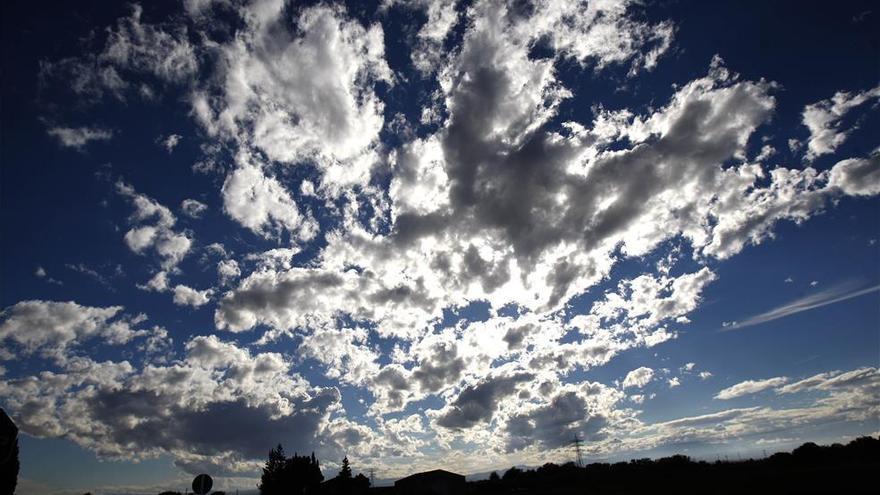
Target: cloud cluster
[
  {"x": 54, "y": 330},
  {"x": 499, "y": 201},
  {"x": 153, "y": 229}
]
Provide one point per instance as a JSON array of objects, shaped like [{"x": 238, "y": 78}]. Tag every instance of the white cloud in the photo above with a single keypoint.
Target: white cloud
[
  {"x": 228, "y": 270},
  {"x": 187, "y": 296},
  {"x": 169, "y": 142},
  {"x": 158, "y": 235},
  {"x": 497, "y": 201},
  {"x": 857, "y": 176},
  {"x": 261, "y": 204},
  {"x": 638, "y": 377},
  {"x": 142, "y": 47},
  {"x": 823, "y": 119},
  {"x": 832, "y": 295},
  {"x": 303, "y": 94},
  {"x": 750, "y": 387},
  {"x": 79, "y": 137},
  {"x": 865, "y": 379},
  {"x": 50, "y": 328},
  {"x": 193, "y": 208}
]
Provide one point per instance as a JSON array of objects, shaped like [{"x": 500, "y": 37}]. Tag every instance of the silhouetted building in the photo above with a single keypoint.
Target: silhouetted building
[{"x": 436, "y": 482}]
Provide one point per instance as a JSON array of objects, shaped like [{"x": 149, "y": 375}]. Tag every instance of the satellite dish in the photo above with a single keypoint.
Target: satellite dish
[{"x": 202, "y": 484}]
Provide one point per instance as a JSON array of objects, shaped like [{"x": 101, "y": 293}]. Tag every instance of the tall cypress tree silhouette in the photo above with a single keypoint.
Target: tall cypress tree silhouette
[{"x": 345, "y": 472}]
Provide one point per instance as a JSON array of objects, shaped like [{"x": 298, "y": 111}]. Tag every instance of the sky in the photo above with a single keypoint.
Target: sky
[{"x": 433, "y": 234}]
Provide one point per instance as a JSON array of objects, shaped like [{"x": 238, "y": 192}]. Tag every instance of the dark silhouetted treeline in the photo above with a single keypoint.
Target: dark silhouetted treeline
[
  {"x": 302, "y": 475},
  {"x": 809, "y": 469}
]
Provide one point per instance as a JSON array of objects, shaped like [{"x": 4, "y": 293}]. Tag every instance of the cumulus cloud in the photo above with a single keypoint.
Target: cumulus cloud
[
  {"x": 638, "y": 377},
  {"x": 750, "y": 387},
  {"x": 302, "y": 92},
  {"x": 153, "y": 229},
  {"x": 857, "y": 176},
  {"x": 498, "y": 202},
  {"x": 478, "y": 403},
  {"x": 187, "y": 296},
  {"x": 261, "y": 204},
  {"x": 177, "y": 408},
  {"x": 823, "y": 119},
  {"x": 51, "y": 328}
]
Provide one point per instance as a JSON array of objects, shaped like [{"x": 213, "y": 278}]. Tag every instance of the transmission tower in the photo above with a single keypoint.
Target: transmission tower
[
  {"x": 576, "y": 444},
  {"x": 372, "y": 477}
]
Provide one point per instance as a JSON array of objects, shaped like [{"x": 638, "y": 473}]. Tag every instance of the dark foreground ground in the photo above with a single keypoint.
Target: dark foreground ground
[
  {"x": 809, "y": 469},
  {"x": 837, "y": 469}
]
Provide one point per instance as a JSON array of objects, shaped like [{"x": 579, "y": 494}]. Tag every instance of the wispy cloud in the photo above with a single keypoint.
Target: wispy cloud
[{"x": 828, "y": 296}]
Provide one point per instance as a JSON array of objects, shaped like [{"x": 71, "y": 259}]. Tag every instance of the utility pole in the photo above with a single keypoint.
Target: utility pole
[{"x": 576, "y": 443}]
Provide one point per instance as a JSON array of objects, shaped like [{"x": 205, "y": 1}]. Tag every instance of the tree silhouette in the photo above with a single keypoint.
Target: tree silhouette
[
  {"x": 345, "y": 472},
  {"x": 283, "y": 476},
  {"x": 494, "y": 477},
  {"x": 272, "y": 481}
]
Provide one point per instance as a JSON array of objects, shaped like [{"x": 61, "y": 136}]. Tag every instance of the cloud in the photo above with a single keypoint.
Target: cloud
[
  {"x": 832, "y": 295},
  {"x": 750, "y": 387},
  {"x": 478, "y": 403},
  {"x": 178, "y": 408},
  {"x": 261, "y": 204},
  {"x": 823, "y": 119},
  {"x": 867, "y": 378},
  {"x": 193, "y": 208},
  {"x": 154, "y": 229},
  {"x": 51, "y": 328},
  {"x": 857, "y": 176},
  {"x": 228, "y": 270},
  {"x": 377, "y": 260},
  {"x": 638, "y": 377},
  {"x": 303, "y": 91},
  {"x": 132, "y": 49},
  {"x": 40, "y": 272},
  {"x": 169, "y": 142},
  {"x": 79, "y": 137},
  {"x": 187, "y": 296}
]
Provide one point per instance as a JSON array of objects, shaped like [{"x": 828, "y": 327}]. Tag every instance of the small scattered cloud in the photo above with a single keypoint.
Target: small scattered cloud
[
  {"x": 193, "y": 208},
  {"x": 638, "y": 377},
  {"x": 79, "y": 137},
  {"x": 40, "y": 272},
  {"x": 169, "y": 142}
]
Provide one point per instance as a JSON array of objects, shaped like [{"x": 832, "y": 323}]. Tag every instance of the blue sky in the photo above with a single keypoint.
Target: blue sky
[{"x": 433, "y": 234}]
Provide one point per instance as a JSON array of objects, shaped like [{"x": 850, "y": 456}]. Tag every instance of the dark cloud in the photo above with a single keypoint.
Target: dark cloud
[
  {"x": 441, "y": 368},
  {"x": 555, "y": 424},
  {"x": 476, "y": 404},
  {"x": 227, "y": 426}
]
